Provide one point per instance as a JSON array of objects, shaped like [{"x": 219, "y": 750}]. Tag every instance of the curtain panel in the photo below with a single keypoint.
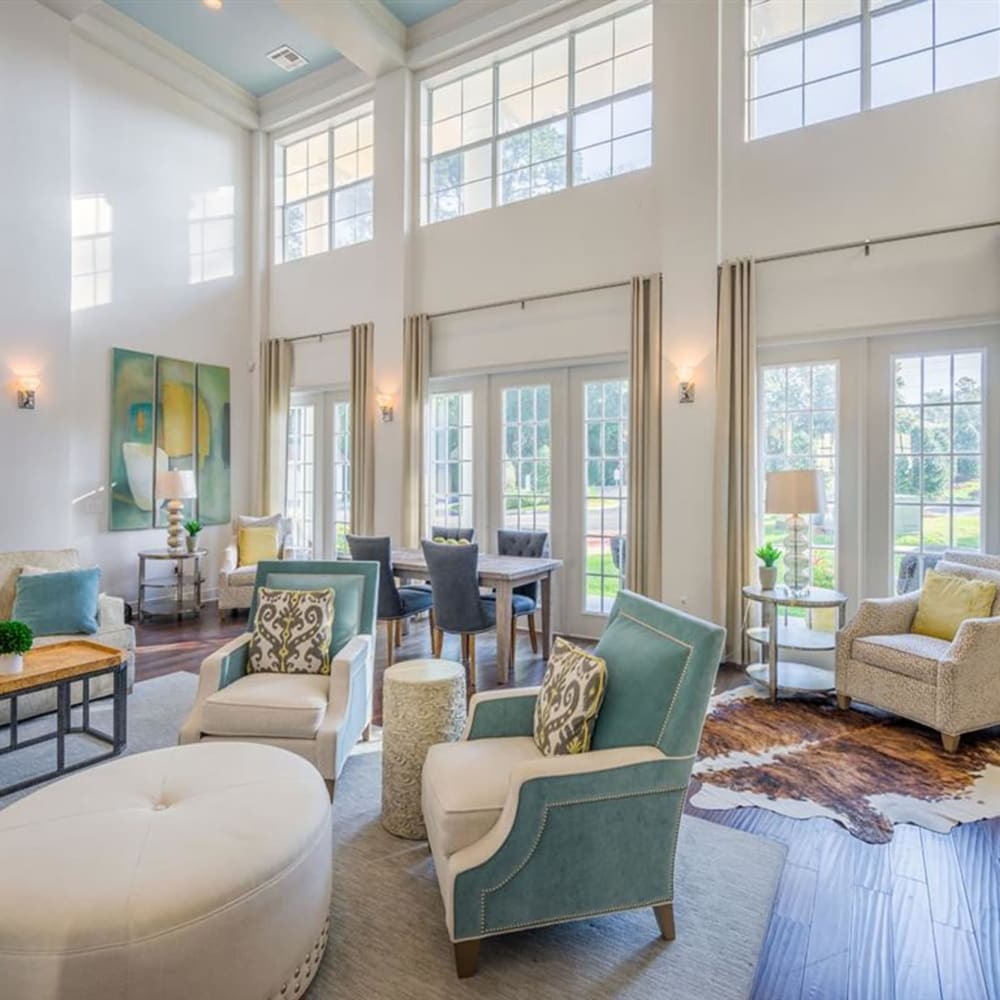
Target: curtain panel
[
  {"x": 416, "y": 372},
  {"x": 362, "y": 428},
  {"x": 276, "y": 362},
  {"x": 735, "y": 448},
  {"x": 643, "y": 548}
]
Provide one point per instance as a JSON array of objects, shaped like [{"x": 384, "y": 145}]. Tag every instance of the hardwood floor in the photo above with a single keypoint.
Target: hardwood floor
[{"x": 916, "y": 919}]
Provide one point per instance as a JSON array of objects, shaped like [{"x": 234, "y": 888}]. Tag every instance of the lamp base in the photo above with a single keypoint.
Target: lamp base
[
  {"x": 175, "y": 529},
  {"x": 797, "y": 553}
]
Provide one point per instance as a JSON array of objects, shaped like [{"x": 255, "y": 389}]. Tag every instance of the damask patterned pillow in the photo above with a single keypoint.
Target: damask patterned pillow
[
  {"x": 570, "y": 698},
  {"x": 291, "y": 632}
]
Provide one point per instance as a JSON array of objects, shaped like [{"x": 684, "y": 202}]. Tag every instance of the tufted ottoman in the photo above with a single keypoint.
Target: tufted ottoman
[{"x": 197, "y": 872}]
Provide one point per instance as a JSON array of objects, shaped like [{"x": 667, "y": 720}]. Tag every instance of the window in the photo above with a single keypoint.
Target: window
[
  {"x": 799, "y": 422},
  {"x": 937, "y": 456},
  {"x": 341, "y": 476},
  {"x": 806, "y": 62},
  {"x": 450, "y": 470},
  {"x": 567, "y": 112},
  {"x": 91, "y": 275},
  {"x": 527, "y": 457},
  {"x": 338, "y": 160},
  {"x": 605, "y": 425},
  {"x": 300, "y": 492},
  {"x": 212, "y": 235}
]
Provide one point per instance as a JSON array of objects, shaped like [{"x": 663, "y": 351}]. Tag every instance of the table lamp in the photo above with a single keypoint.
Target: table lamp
[
  {"x": 795, "y": 492},
  {"x": 175, "y": 486}
]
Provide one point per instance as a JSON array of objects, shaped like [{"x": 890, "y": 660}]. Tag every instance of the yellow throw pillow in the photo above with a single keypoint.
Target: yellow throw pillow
[
  {"x": 946, "y": 602},
  {"x": 255, "y": 545},
  {"x": 570, "y": 698}
]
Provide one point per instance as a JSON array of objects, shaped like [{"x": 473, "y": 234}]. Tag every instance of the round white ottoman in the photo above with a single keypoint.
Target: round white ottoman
[
  {"x": 423, "y": 703},
  {"x": 199, "y": 871}
]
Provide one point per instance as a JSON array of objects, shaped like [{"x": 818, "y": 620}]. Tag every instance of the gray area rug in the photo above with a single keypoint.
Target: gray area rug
[{"x": 387, "y": 934}]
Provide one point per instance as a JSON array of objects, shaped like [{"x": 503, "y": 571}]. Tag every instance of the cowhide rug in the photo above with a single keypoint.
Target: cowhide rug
[{"x": 865, "y": 770}]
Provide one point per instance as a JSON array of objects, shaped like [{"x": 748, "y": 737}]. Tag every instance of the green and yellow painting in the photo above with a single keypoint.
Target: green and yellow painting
[
  {"x": 213, "y": 444},
  {"x": 133, "y": 391}
]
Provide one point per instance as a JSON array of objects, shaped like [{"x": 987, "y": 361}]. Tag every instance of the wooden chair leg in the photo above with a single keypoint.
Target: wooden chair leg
[
  {"x": 472, "y": 664},
  {"x": 466, "y": 958},
  {"x": 433, "y": 628},
  {"x": 439, "y": 643},
  {"x": 390, "y": 646},
  {"x": 465, "y": 650},
  {"x": 513, "y": 643},
  {"x": 399, "y": 632},
  {"x": 950, "y": 743},
  {"x": 533, "y": 633},
  {"x": 664, "y": 914},
  {"x": 843, "y": 702}
]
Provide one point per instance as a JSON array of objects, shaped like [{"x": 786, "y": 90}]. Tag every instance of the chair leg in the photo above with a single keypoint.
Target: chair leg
[
  {"x": 438, "y": 642},
  {"x": 433, "y": 630},
  {"x": 513, "y": 643},
  {"x": 466, "y": 958},
  {"x": 472, "y": 664},
  {"x": 390, "y": 646},
  {"x": 664, "y": 914},
  {"x": 399, "y": 632},
  {"x": 533, "y": 633},
  {"x": 950, "y": 743},
  {"x": 330, "y": 785},
  {"x": 843, "y": 702}
]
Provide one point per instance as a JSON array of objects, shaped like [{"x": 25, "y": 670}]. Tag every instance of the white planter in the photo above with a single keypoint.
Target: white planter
[
  {"x": 192, "y": 543},
  {"x": 11, "y": 663},
  {"x": 768, "y": 577}
]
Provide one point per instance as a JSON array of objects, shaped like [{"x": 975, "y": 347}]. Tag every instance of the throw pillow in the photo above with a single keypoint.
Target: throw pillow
[
  {"x": 256, "y": 545},
  {"x": 570, "y": 698},
  {"x": 946, "y": 601},
  {"x": 58, "y": 603},
  {"x": 968, "y": 572},
  {"x": 292, "y": 632}
]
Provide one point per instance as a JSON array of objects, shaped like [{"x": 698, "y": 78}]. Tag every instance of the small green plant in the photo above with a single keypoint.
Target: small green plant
[
  {"x": 192, "y": 527},
  {"x": 768, "y": 554},
  {"x": 15, "y": 638}
]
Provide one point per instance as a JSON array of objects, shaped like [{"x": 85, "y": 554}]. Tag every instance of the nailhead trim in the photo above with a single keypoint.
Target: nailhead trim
[{"x": 306, "y": 970}]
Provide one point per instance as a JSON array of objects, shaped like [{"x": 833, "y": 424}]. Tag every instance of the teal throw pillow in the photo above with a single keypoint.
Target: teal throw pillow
[{"x": 60, "y": 603}]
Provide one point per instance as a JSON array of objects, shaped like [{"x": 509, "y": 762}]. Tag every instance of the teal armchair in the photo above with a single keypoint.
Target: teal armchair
[
  {"x": 316, "y": 716},
  {"x": 523, "y": 840}
]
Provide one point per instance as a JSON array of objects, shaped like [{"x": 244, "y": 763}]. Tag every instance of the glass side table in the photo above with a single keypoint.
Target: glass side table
[
  {"x": 187, "y": 577},
  {"x": 773, "y": 671}
]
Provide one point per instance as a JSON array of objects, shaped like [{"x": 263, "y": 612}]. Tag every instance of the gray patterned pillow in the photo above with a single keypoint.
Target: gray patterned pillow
[
  {"x": 570, "y": 698},
  {"x": 292, "y": 632}
]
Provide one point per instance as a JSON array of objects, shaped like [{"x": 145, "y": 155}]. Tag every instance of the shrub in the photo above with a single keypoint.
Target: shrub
[
  {"x": 768, "y": 554},
  {"x": 192, "y": 527},
  {"x": 15, "y": 637}
]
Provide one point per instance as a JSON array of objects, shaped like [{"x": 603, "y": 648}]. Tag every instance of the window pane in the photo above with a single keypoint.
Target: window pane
[
  {"x": 477, "y": 90},
  {"x": 634, "y": 30},
  {"x": 777, "y": 113},
  {"x": 633, "y": 114},
  {"x": 477, "y": 125},
  {"x": 515, "y": 111},
  {"x": 592, "y": 164},
  {"x": 594, "y": 45},
  {"x": 515, "y": 75},
  {"x": 822, "y": 12},
  {"x": 899, "y": 32},
  {"x": 902, "y": 79},
  {"x": 771, "y": 20},
  {"x": 634, "y": 152},
  {"x": 345, "y": 139},
  {"x": 776, "y": 69},
  {"x": 550, "y": 100},
  {"x": 961, "y": 18},
  {"x": 833, "y": 98},
  {"x": 833, "y": 52},
  {"x": 446, "y": 135},
  {"x": 551, "y": 61},
  {"x": 968, "y": 61},
  {"x": 594, "y": 84},
  {"x": 446, "y": 102},
  {"x": 968, "y": 377},
  {"x": 633, "y": 70},
  {"x": 592, "y": 127}
]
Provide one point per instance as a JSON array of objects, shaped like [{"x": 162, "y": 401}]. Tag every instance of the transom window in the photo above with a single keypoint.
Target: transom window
[
  {"x": 91, "y": 257},
  {"x": 449, "y": 461},
  {"x": 568, "y": 112},
  {"x": 812, "y": 60},
  {"x": 339, "y": 162}
]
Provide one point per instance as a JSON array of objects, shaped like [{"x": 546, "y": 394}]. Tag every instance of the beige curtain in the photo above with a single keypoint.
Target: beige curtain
[
  {"x": 643, "y": 549},
  {"x": 276, "y": 360},
  {"x": 735, "y": 448},
  {"x": 362, "y": 428},
  {"x": 416, "y": 372}
]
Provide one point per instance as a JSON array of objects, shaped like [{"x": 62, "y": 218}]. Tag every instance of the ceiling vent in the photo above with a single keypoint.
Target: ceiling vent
[{"x": 287, "y": 58}]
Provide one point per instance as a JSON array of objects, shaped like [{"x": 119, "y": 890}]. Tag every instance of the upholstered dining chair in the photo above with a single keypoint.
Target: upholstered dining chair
[
  {"x": 530, "y": 545},
  {"x": 318, "y": 717},
  {"x": 453, "y": 534},
  {"x": 395, "y": 604},
  {"x": 522, "y": 840},
  {"x": 459, "y": 608}
]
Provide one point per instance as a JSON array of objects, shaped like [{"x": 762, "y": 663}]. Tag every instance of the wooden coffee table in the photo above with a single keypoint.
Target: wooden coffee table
[{"x": 59, "y": 666}]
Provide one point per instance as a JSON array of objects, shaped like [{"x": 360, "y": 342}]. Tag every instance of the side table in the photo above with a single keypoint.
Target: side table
[
  {"x": 776, "y": 673},
  {"x": 423, "y": 703},
  {"x": 178, "y": 604}
]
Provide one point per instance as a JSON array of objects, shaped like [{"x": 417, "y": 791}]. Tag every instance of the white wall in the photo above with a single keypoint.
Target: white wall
[
  {"x": 34, "y": 275},
  {"x": 147, "y": 149}
]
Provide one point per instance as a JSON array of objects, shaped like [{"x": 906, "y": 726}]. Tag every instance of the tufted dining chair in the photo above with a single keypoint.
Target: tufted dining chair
[
  {"x": 453, "y": 534},
  {"x": 529, "y": 545}
]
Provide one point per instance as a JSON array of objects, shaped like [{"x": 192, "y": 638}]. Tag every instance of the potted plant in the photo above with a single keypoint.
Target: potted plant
[
  {"x": 769, "y": 556},
  {"x": 15, "y": 641},
  {"x": 193, "y": 529}
]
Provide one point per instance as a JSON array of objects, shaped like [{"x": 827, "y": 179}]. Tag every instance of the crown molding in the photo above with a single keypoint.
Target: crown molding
[{"x": 311, "y": 95}]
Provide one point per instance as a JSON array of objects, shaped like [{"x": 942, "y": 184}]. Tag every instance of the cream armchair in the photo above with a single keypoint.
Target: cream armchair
[
  {"x": 316, "y": 716},
  {"x": 236, "y": 582},
  {"x": 953, "y": 687}
]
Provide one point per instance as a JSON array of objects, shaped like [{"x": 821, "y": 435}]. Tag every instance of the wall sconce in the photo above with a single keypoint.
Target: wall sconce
[
  {"x": 685, "y": 384},
  {"x": 27, "y": 385},
  {"x": 384, "y": 403}
]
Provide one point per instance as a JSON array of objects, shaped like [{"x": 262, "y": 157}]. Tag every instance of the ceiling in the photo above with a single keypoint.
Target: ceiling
[{"x": 235, "y": 40}]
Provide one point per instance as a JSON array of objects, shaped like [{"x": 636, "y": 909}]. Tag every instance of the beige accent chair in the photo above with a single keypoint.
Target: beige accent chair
[
  {"x": 111, "y": 629},
  {"x": 236, "y": 581},
  {"x": 953, "y": 687}
]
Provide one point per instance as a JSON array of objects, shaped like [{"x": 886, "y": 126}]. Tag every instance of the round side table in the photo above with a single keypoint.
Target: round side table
[
  {"x": 423, "y": 703},
  {"x": 177, "y": 603}
]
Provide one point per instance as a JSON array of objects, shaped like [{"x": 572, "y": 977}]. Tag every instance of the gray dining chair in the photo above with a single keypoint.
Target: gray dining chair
[
  {"x": 453, "y": 534},
  {"x": 459, "y": 608},
  {"x": 530, "y": 545},
  {"x": 395, "y": 604}
]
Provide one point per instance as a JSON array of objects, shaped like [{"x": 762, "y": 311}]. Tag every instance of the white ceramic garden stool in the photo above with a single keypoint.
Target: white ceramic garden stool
[
  {"x": 423, "y": 703},
  {"x": 195, "y": 871}
]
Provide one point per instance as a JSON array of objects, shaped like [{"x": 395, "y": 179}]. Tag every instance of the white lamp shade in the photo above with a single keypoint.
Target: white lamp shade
[
  {"x": 176, "y": 484},
  {"x": 797, "y": 491}
]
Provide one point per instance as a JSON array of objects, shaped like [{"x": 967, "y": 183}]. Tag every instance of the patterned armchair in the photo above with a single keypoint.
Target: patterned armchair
[
  {"x": 318, "y": 717},
  {"x": 953, "y": 687},
  {"x": 236, "y": 582},
  {"x": 521, "y": 840}
]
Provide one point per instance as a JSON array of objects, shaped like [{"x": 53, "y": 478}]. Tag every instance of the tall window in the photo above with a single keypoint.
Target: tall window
[
  {"x": 337, "y": 161},
  {"x": 799, "y": 420},
  {"x": 938, "y": 455},
  {"x": 450, "y": 470},
  {"x": 810, "y": 60},
  {"x": 527, "y": 457},
  {"x": 212, "y": 235},
  {"x": 300, "y": 486},
  {"x": 605, "y": 424},
  {"x": 341, "y": 476},
  {"x": 91, "y": 257},
  {"x": 570, "y": 111}
]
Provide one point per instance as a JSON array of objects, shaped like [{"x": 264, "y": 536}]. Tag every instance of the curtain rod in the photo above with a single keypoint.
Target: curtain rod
[
  {"x": 866, "y": 245},
  {"x": 530, "y": 298},
  {"x": 317, "y": 336}
]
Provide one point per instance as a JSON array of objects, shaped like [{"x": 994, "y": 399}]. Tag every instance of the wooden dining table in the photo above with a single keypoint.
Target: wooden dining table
[{"x": 503, "y": 573}]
